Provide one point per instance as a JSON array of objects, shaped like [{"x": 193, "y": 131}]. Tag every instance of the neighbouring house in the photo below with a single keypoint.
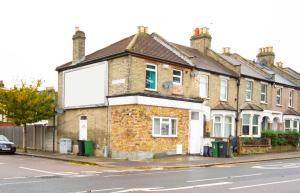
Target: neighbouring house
[{"x": 144, "y": 95}]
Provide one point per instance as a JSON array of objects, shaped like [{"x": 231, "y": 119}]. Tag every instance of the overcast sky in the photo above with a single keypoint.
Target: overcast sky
[{"x": 36, "y": 36}]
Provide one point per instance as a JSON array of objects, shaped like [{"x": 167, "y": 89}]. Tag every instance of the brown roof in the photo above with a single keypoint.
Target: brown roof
[
  {"x": 250, "y": 106},
  {"x": 143, "y": 44},
  {"x": 290, "y": 111},
  {"x": 223, "y": 106},
  {"x": 203, "y": 62}
]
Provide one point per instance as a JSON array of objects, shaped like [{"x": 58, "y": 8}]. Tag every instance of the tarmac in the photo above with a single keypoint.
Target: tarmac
[{"x": 170, "y": 162}]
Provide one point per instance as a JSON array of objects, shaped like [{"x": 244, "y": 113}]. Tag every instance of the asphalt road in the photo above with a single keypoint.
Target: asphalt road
[{"x": 22, "y": 174}]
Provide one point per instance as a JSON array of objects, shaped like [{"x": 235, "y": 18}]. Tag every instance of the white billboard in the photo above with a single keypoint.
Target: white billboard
[{"x": 86, "y": 86}]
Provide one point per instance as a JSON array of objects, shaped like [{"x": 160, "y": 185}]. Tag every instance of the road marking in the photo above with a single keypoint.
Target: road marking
[
  {"x": 43, "y": 171},
  {"x": 1, "y": 163},
  {"x": 139, "y": 190},
  {"x": 101, "y": 190},
  {"x": 13, "y": 178},
  {"x": 13, "y": 183},
  {"x": 148, "y": 173},
  {"x": 265, "y": 184},
  {"x": 223, "y": 178},
  {"x": 278, "y": 166}
]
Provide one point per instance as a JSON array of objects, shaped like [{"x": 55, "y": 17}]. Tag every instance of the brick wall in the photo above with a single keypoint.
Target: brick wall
[{"x": 131, "y": 129}]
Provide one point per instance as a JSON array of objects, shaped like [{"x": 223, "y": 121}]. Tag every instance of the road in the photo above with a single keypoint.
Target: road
[{"x": 22, "y": 174}]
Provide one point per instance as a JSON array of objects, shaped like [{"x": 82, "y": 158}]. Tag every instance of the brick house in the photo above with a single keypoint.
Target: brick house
[{"x": 143, "y": 95}]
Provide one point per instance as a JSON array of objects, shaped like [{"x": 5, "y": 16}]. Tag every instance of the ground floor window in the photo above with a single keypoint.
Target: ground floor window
[
  {"x": 164, "y": 127},
  {"x": 290, "y": 124},
  {"x": 222, "y": 126},
  {"x": 250, "y": 125}
]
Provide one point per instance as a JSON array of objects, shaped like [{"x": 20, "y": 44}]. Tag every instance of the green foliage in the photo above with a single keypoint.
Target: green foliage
[
  {"x": 26, "y": 104},
  {"x": 282, "y": 137}
]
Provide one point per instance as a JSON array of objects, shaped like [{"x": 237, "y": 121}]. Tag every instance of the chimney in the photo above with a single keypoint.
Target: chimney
[
  {"x": 279, "y": 64},
  {"x": 78, "y": 46},
  {"x": 226, "y": 50},
  {"x": 142, "y": 29},
  {"x": 201, "y": 39},
  {"x": 266, "y": 56}
]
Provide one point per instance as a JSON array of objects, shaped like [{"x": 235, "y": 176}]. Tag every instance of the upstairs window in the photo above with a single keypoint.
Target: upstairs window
[
  {"x": 203, "y": 86},
  {"x": 151, "y": 77},
  {"x": 263, "y": 92},
  {"x": 278, "y": 96},
  {"x": 249, "y": 90},
  {"x": 223, "y": 89},
  {"x": 291, "y": 93},
  {"x": 177, "y": 77}
]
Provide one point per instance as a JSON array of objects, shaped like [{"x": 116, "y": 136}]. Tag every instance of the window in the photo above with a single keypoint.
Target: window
[
  {"x": 250, "y": 125},
  {"x": 228, "y": 126},
  {"x": 223, "y": 90},
  {"x": 291, "y": 124},
  {"x": 263, "y": 93},
  {"x": 204, "y": 86},
  {"x": 164, "y": 127},
  {"x": 249, "y": 90},
  {"x": 217, "y": 126},
  {"x": 151, "y": 77},
  {"x": 177, "y": 77},
  {"x": 195, "y": 115},
  {"x": 222, "y": 126},
  {"x": 278, "y": 96},
  {"x": 291, "y": 93},
  {"x": 246, "y": 124}
]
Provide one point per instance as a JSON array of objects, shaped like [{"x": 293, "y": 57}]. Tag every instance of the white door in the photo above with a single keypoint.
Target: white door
[{"x": 196, "y": 133}]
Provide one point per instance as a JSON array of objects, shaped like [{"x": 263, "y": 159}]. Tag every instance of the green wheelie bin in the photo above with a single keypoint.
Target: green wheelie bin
[
  {"x": 215, "y": 148},
  {"x": 89, "y": 148}
]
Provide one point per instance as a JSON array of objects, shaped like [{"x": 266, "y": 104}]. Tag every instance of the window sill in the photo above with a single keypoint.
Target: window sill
[
  {"x": 291, "y": 107},
  {"x": 152, "y": 90},
  {"x": 248, "y": 100},
  {"x": 205, "y": 98},
  {"x": 164, "y": 136},
  {"x": 255, "y": 136},
  {"x": 278, "y": 105},
  {"x": 264, "y": 103},
  {"x": 223, "y": 100}
]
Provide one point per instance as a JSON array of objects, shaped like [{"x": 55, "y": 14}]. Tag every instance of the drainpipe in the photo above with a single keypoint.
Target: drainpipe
[{"x": 238, "y": 83}]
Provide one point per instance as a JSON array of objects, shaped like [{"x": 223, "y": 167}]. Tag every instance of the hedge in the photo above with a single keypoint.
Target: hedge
[{"x": 282, "y": 137}]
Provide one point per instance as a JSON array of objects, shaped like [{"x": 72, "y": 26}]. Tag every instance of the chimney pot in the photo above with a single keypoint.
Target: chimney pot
[
  {"x": 142, "y": 29},
  {"x": 76, "y": 28},
  {"x": 226, "y": 50},
  {"x": 196, "y": 31}
]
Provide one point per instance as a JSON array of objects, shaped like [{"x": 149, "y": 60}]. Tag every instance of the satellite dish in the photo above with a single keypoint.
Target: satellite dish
[{"x": 59, "y": 110}]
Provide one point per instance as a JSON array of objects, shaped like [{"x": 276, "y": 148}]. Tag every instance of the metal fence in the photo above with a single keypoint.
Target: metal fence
[{"x": 39, "y": 137}]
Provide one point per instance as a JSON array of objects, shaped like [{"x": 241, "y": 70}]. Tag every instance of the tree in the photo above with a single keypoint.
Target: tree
[{"x": 26, "y": 104}]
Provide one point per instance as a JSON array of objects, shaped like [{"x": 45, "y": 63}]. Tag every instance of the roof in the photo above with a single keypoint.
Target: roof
[
  {"x": 290, "y": 111},
  {"x": 141, "y": 43},
  {"x": 203, "y": 62},
  {"x": 251, "y": 107},
  {"x": 246, "y": 69},
  {"x": 223, "y": 106},
  {"x": 279, "y": 78},
  {"x": 292, "y": 72}
]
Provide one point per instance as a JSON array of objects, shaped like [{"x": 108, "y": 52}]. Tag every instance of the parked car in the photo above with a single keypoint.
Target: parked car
[{"x": 6, "y": 145}]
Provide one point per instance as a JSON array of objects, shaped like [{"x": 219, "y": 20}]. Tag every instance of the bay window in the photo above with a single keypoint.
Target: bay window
[
  {"x": 250, "y": 125},
  {"x": 151, "y": 77},
  {"x": 164, "y": 127},
  {"x": 290, "y": 124},
  {"x": 222, "y": 126}
]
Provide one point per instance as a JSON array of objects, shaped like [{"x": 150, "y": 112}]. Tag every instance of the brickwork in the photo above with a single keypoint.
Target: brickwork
[
  {"x": 68, "y": 126},
  {"x": 131, "y": 129}
]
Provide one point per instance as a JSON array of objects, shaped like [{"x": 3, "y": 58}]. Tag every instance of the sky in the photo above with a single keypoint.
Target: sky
[{"x": 36, "y": 36}]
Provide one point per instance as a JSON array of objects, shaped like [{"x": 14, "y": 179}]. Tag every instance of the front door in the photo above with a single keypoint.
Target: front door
[{"x": 196, "y": 133}]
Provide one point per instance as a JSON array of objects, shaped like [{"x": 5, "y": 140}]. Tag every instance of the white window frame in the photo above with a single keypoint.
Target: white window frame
[
  {"x": 264, "y": 94},
  {"x": 170, "y": 125},
  {"x": 291, "y": 98},
  {"x": 226, "y": 89},
  {"x": 280, "y": 96},
  {"x": 251, "y": 91},
  {"x": 291, "y": 121},
  {"x": 223, "y": 123},
  {"x": 251, "y": 125},
  {"x": 177, "y": 76},
  {"x": 207, "y": 85},
  {"x": 153, "y": 70}
]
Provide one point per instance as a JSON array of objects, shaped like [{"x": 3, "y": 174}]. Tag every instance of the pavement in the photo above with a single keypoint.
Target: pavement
[{"x": 171, "y": 162}]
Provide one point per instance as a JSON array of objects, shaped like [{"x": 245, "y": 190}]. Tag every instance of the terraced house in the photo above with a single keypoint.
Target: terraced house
[{"x": 143, "y": 95}]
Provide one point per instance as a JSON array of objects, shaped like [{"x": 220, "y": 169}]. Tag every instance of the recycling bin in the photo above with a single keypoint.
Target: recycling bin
[
  {"x": 215, "y": 148},
  {"x": 81, "y": 150},
  {"x": 89, "y": 148},
  {"x": 206, "y": 151},
  {"x": 223, "y": 149}
]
